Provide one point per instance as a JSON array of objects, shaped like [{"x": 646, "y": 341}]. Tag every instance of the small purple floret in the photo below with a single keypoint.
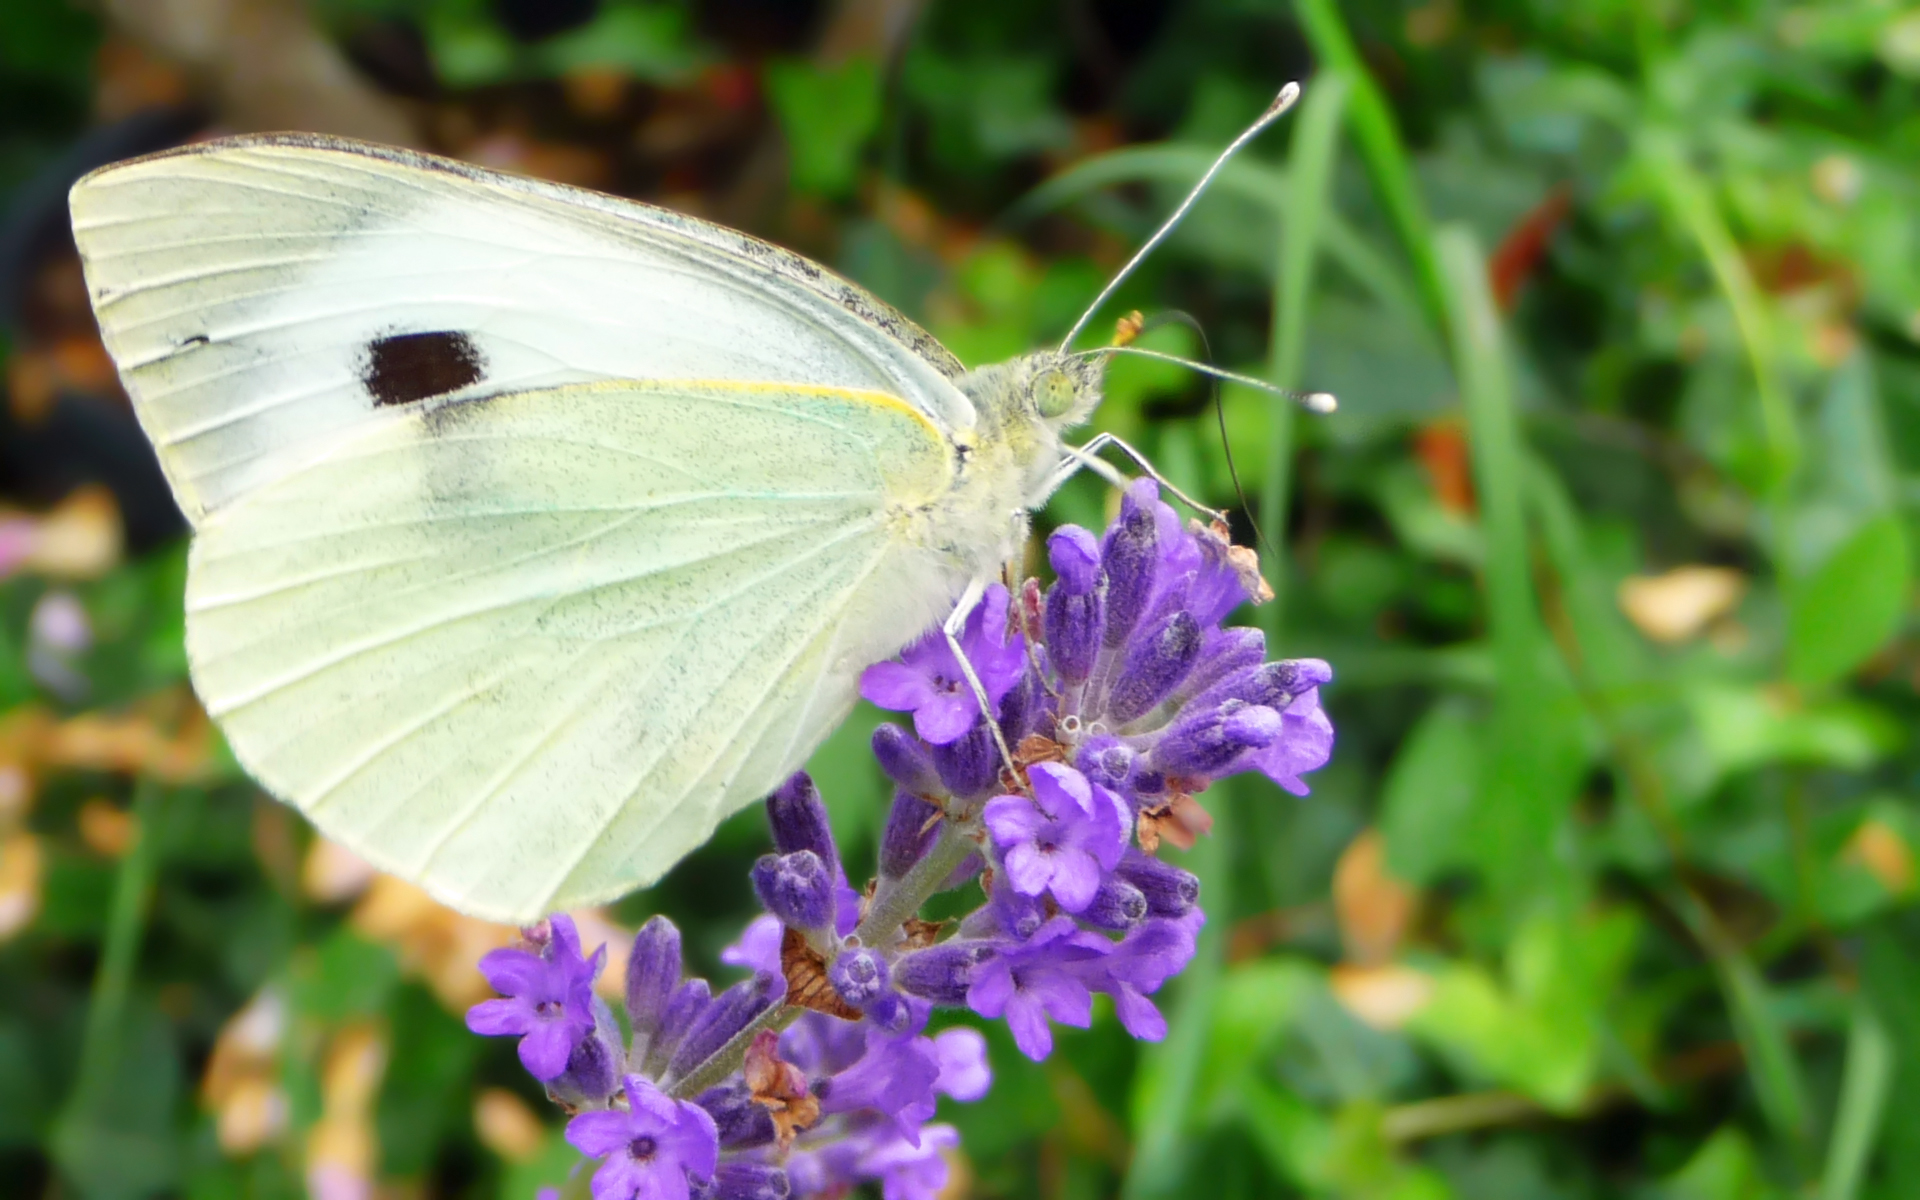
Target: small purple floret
[
  {"x": 928, "y": 681},
  {"x": 1061, "y": 840},
  {"x": 653, "y": 1150},
  {"x": 547, "y": 999}
]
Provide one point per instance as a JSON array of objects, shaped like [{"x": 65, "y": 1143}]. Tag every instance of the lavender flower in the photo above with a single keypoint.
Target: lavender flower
[
  {"x": 815, "y": 1076},
  {"x": 928, "y": 681},
  {"x": 549, "y": 999},
  {"x": 652, "y": 1150},
  {"x": 1040, "y": 978},
  {"x": 1061, "y": 840}
]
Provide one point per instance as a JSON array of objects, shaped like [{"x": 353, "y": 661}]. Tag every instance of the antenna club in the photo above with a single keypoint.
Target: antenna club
[
  {"x": 1282, "y": 102},
  {"x": 1320, "y": 402}
]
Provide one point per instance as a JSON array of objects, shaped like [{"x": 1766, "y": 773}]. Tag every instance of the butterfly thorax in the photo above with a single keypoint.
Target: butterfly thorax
[{"x": 1010, "y": 459}]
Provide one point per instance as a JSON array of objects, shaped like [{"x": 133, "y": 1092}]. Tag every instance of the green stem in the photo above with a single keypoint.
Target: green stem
[
  {"x": 119, "y": 953},
  {"x": 728, "y": 1058},
  {"x": 901, "y": 898}
]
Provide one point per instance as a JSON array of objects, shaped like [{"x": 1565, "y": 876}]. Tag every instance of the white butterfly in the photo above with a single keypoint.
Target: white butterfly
[{"x": 536, "y": 531}]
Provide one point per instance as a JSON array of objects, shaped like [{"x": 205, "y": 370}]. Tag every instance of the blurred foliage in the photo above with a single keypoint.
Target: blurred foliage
[{"x": 1609, "y": 891}]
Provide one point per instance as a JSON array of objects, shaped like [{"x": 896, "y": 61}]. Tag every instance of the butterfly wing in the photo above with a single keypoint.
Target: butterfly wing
[
  {"x": 528, "y": 650},
  {"x": 262, "y": 294}
]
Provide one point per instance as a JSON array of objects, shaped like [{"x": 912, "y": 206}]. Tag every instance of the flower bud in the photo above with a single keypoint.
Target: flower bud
[
  {"x": 1169, "y": 890},
  {"x": 740, "y": 1120},
  {"x": 593, "y": 1068},
  {"x": 1072, "y": 628},
  {"x": 743, "y": 1180},
  {"x": 1130, "y": 559},
  {"x": 970, "y": 764},
  {"x": 1271, "y": 685},
  {"x": 891, "y": 1012},
  {"x": 653, "y": 971},
  {"x": 911, "y": 826},
  {"x": 1074, "y": 555},
  {"x": 941, "y": 973},
  {"x": 727, "y": 1015},
  {"x": 1021, "y": 708},
  {"x": 799, "y": 819},
  {"x": 1108, "y": 762},
  {"x": 795, "y": 887},
  {"x": 1156, "y": 663},
  {"x": 684, "y": 1008},
  {"x": 859, "y": 975},
  {"x": 1116, "y": 905},
  {"x": 1203, "y": 742},
  {"x": 1225, "y": 652},
  {"x": 904, "y": 758}
]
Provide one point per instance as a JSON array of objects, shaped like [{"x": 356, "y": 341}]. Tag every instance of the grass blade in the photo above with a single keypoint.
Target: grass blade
[
  {"x": 1863, "y": 1104},
  {"x": 1378, "y": 140},
  {"x": 1309, "y": 201}
]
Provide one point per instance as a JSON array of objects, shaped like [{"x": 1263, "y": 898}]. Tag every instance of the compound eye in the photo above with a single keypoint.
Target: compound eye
[{"x": 1053, "y": 394}]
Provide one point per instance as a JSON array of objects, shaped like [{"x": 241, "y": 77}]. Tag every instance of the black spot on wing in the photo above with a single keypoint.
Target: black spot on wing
[{"x": 405, "y": 367}]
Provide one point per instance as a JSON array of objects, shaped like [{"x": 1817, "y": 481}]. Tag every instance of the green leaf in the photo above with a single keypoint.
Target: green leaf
[
  {"x": 1722, "y": 1169},
  {"x": 1850, "y": 605},
  {"x": 827, "y": 115},
  {"x": 1863, "y": 1103},
  {"x": 1430, "y": 791}
]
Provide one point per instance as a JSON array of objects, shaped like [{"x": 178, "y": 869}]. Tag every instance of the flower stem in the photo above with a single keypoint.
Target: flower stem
[
  {"x": 899, "y": 899},
  {"x": 728, "y": 1058}
]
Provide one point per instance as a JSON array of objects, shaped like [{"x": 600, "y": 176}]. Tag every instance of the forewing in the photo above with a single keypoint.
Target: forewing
[
  {"x": 263, "y": 294},
  {"x": 528, "y": 650}
]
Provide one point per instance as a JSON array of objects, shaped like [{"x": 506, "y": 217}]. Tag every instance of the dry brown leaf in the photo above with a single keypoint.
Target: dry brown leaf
[
  {"x": 1181, "y": 821},
  {"x": 1385, "y": 996},
  {"x": 1879, "y": 848},
  {"x": 169, "y": 739},
  {"x": 333, "y": 874},
  {"x": 507, "y": 1126},
  {"x": 1677, "y": 605},
  {"x": 106, "y": 828},
  {"x": 21, "y": 868},
  {"x": 80, "y": 539},
  {"x": 807, "y": 984},
  {"x": 779, "y": 1087},
  {"x": 434, "y": 943},
  {"x": 241, "y": 1082},
  {"x": 1373, "y": 908}
]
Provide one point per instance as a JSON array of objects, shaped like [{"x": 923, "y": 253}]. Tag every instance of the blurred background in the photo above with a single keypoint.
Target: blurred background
[{"x": 1609, "y": 890}]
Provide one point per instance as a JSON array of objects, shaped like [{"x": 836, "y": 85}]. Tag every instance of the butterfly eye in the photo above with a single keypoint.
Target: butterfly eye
[{"x": 1053, "y": 394}]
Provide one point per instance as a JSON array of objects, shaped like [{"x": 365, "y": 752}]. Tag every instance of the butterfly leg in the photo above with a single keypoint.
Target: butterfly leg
[
  {"x": 955, "y": 623},
  {"x": 1082, "y": 456}
]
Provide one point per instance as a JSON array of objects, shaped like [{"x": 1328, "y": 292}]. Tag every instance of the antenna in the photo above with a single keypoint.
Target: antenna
[
  {"x": 1280, "y": 105},
  {"x": 1319, "y": 402}
]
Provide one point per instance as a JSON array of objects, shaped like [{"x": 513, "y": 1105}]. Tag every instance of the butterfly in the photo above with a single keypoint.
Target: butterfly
[{"x": 536, "y": 531}]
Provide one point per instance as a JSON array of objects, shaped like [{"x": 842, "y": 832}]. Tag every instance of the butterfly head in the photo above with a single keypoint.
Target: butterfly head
[{"x": 1060, "y": 390}]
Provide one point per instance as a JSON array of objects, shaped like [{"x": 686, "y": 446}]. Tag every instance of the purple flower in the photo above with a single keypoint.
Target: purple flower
[
  {"x": 548, "y": 999},
  {"x": 1305, "y": 743},
  {"x": 928, "y": 681},
  {"x": 964, "y": 1073},
  {"x": 1150, "y": 955},
  {"x": 895, "y": 1078},
  {"x": 1039, "y": 979},
  {"x": 1063, "y": 838},
  {"x": 759, "y": 946},
  {"x": 915, "y": 1170},
  {"x": 651, "y": 1148}
]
